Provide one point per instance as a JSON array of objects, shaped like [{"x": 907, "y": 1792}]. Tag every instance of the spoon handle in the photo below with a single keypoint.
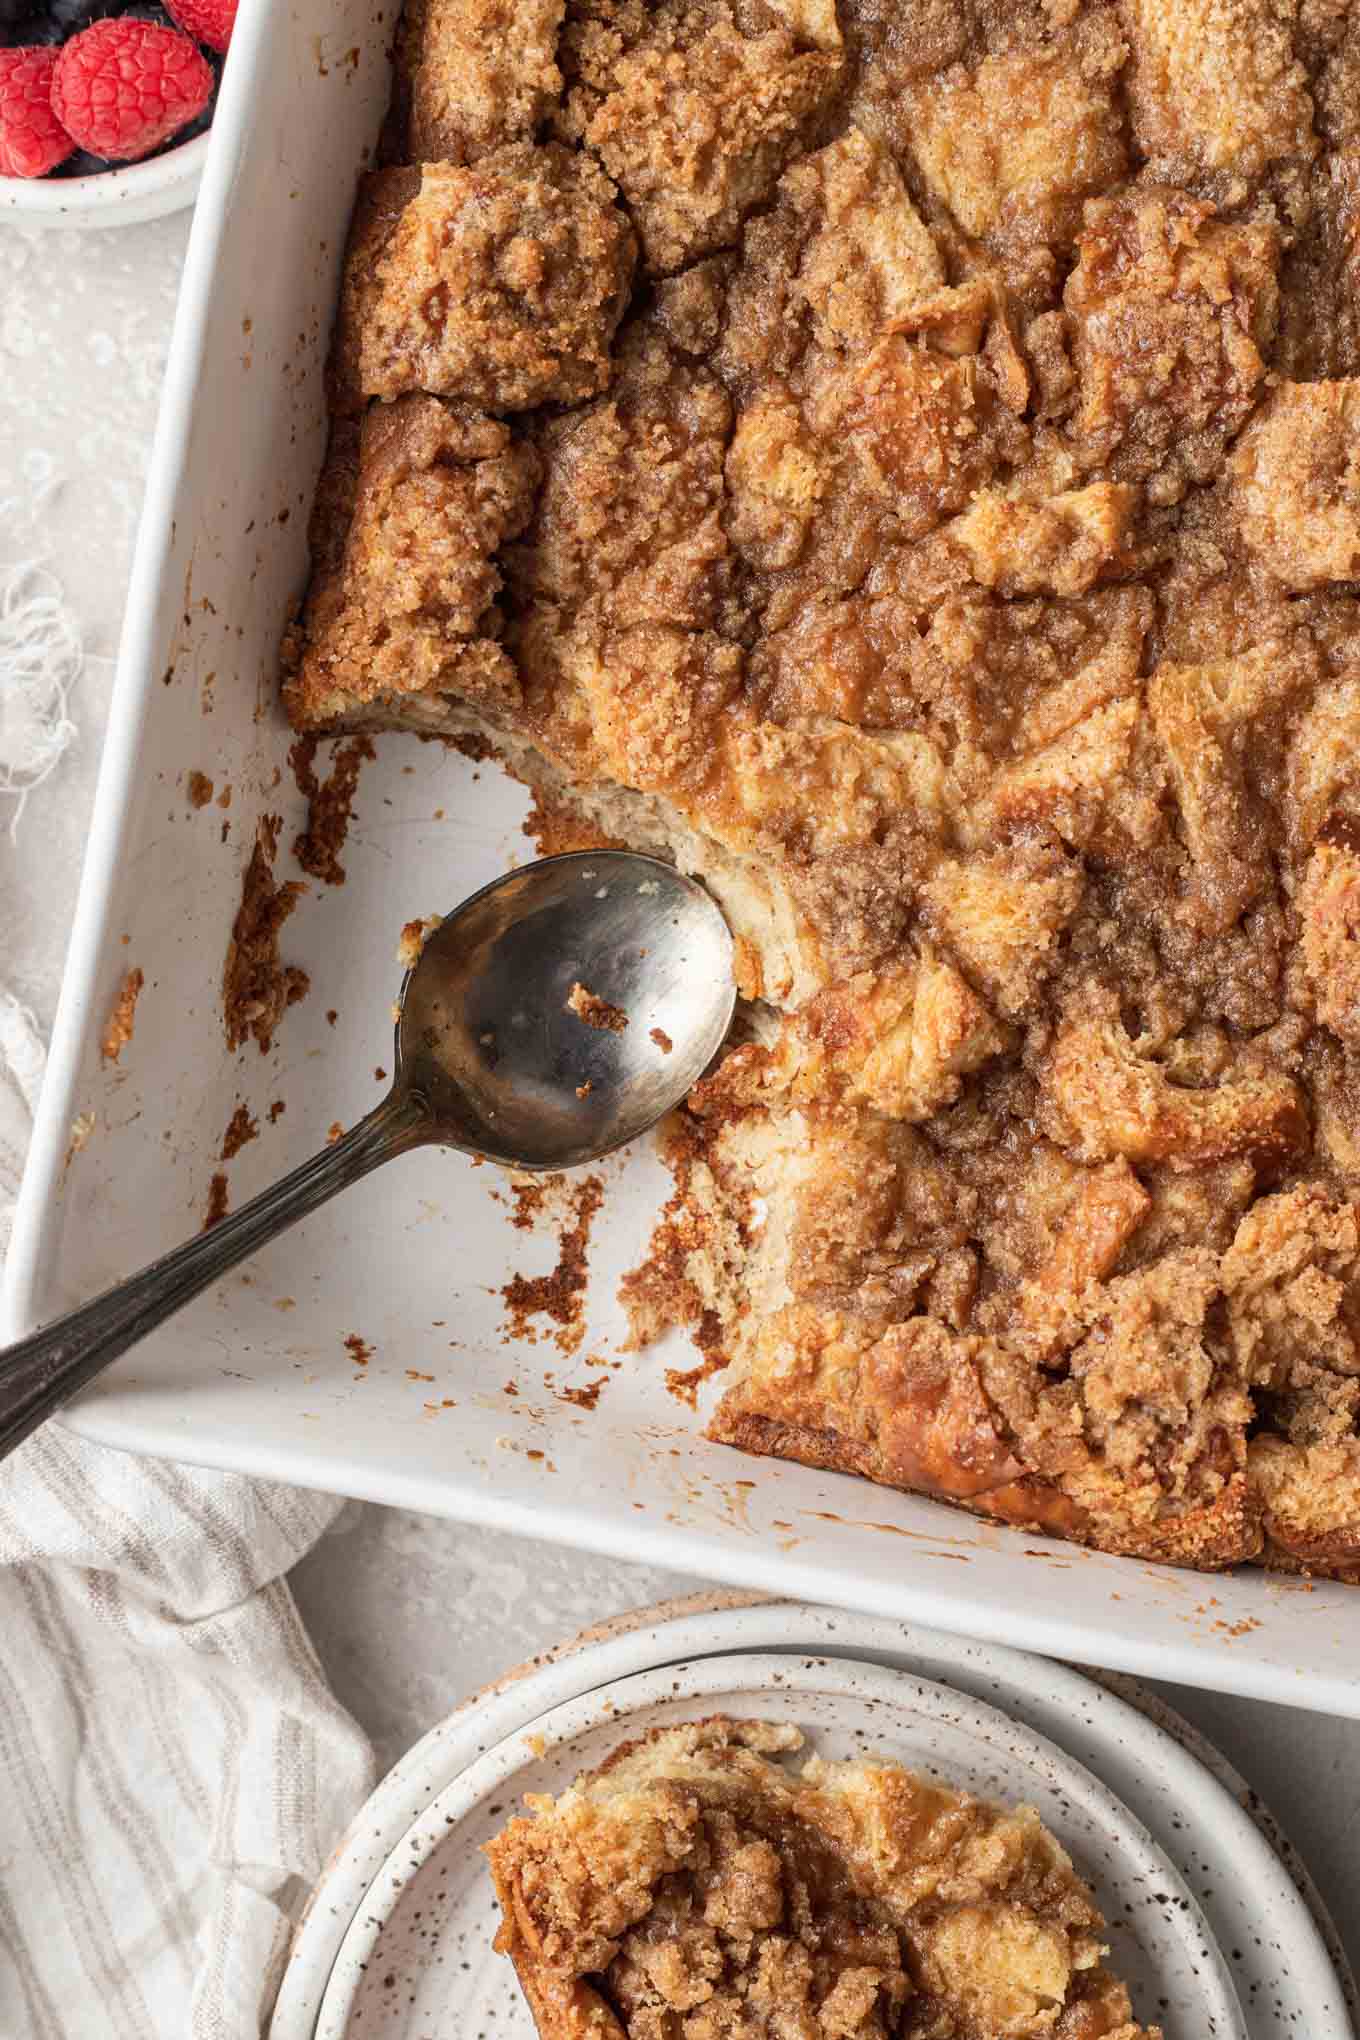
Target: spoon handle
[{"x": 40, "y": 1372}]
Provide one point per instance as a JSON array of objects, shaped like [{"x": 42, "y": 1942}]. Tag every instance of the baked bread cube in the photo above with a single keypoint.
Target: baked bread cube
[
  {"x": 1017, "y": 144},
  {"x": 473, "y": 75},
  {"x": 1216, "y": 85},
  {"x": 1060, "y": 545},
  {"x": 1296, "y": 471},
  {"x": 499, "y": 284},
  {"x": 866, "y": 256},
  {"x": 1172, "y": 312},
  {"x": 407, "y": 532},
  {"x": 694, "y": 118},
  {"x": 1329, "y": 905}
]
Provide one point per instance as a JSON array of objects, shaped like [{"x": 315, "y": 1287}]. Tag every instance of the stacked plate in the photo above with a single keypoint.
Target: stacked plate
[{"x": 1210, "y": 1930}]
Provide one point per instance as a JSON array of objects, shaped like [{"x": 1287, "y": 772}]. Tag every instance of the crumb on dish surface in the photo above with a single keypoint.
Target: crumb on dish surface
[
  {"x": 411, "y": 945},
  {"x": 594, "y": 1011},
  {"x": 122, "y": 1019},
  {"x": 82, "y": 1127},
  {"x": 330, "y": 804},
  {"x": 947, "y": 544},
  {"x": 697, "y": 1886},
  {"x": 242, "y": 1128},
  {"x": 257, "y": 986},
  {"x": 217, "y": 1201},
  {"x": 560, "y": 1295}
]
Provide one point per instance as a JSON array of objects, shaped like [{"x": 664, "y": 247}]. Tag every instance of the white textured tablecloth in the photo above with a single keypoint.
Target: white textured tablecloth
[{"x": 173, "y": 1767}]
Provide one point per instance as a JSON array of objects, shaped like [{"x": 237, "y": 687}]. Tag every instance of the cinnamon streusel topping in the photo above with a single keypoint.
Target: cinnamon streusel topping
[
  {"x": 693, "y": 1888},
  {"x": 901, "y": 461}
]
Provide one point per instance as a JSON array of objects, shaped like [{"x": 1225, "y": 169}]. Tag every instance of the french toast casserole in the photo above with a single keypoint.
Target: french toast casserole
[
  {"x": 901, "y": 459},
  {"x": 693, "y": 1888}
]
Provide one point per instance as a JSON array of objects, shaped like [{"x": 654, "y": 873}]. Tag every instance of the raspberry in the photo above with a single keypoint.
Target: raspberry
[
  {"x": 32, "y": 139},
  {"x": 207, "y": 21},
  {"x": 122, "y": 86}
]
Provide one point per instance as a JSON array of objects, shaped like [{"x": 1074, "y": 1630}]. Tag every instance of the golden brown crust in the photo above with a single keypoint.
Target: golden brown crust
[
  {"x": 1170, "y": 311},
  {"x": 693, "y": 117},
  {"x": 409, "y": 603},
  {"x": 472, "y": 75},
  {"x": 1013, "y": 147},
  {"x": 499, "y": 284},
  {"x": 1298, "y": 475},
  {"x": 1215, "y": 85},
  {"x": 944, "y": 539},
  {"x": 693, "y": 1887}
]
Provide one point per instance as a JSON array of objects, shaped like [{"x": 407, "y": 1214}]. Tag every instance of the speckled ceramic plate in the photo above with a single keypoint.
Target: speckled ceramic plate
[
  {"x": 398, "y": 1863},
  {"x": 418, "y": 1960}
]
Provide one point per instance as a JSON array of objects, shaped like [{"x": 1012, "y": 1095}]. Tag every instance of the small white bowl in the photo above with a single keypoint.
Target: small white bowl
[{"x": 122, "y": 197}]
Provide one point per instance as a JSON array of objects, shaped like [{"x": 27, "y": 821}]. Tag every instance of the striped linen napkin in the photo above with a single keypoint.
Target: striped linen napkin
[{"x": 173, "y": 1770}]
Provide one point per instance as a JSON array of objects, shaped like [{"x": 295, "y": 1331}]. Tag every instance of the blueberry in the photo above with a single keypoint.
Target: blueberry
[
  {"x": 56, "y": 21},
  {"x": 141, "y": 10},
  {"x": 20, "y": 25},
  {"x": 81, "y": 164}
]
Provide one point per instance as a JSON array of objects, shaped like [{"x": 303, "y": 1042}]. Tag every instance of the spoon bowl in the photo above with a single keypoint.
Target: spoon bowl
[{"x": 514, "y": 1062}]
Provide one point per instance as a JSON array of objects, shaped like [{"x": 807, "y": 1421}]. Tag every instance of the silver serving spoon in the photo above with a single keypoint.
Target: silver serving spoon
[{"x": 553, "y": 1016}]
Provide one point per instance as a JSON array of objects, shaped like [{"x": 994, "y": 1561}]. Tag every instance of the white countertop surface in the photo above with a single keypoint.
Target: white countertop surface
[{"x": 408, "y": 1613}]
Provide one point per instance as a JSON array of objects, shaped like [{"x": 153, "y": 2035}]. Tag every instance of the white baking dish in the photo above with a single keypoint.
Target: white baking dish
[{"x": 257, "y": 1375}]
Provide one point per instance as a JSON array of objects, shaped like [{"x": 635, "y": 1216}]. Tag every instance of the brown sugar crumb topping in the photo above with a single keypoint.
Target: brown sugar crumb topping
[
  {"x": 558, "y": 1296},
  {"x": 472, "y": 76},
  {"x": 241, "y": 1128},
  {"x": 257, "y": 986},
  {"x": 217, "y": 1201},
  {"x": 595, "y": 1011},
  {"x": 330, "y": 805},
  {"x": 900, "y": 461},
  {"x": 693, "y": 1888},
  {"x": 119, "y": 1026},
  {"x": 586, "y": 1397}
]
